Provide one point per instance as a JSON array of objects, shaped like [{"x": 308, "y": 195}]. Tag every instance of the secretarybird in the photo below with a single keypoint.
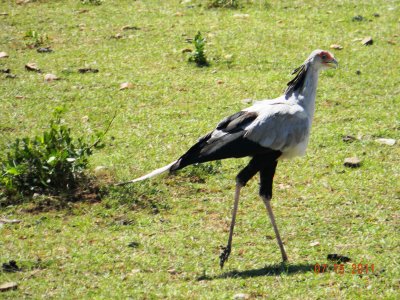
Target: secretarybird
[{"x": 267, "y": 131}]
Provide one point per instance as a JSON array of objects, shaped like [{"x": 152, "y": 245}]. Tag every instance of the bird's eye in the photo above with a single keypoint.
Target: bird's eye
[{"x": 323, "y": 56}]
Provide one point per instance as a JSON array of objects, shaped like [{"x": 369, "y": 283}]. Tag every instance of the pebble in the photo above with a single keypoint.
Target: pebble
[
  {"x": 241, "y": 296},
  {"x": 336, "y": 47},
  {"x": 352, "y": 162},
  {"x": 50, "y": 77},
  {"x": 389, "y": 142},
  {"x": 32, "y": 67},
  {"x": 8, "y": 286},
  {"x": 348, "y": 138},
  {"x": 367, "y": 41},
  {"x": 241, "y": 16}
]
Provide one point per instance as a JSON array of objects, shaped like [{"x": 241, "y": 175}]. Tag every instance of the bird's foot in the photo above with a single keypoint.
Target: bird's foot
[
  {"x": 223, "y": 257},
  {"x": 285, "y": 258}
]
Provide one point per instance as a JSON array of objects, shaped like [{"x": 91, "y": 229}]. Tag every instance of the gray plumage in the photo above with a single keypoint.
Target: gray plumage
[{"x": 282, "y": 124}]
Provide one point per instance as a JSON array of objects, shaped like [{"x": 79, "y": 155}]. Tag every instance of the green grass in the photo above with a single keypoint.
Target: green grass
[{"x": 179, "y": 222}]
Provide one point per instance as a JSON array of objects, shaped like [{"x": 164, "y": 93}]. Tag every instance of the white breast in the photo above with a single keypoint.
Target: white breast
[{"x": 296, "y": 150}]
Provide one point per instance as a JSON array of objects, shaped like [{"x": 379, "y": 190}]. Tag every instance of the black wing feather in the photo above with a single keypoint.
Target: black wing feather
[{"x": 232, "y": 144}]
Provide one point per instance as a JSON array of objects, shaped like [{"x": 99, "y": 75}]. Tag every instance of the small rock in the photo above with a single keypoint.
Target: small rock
[
  {"x": 8, "y": 286},
  {"x": 389, "y": 142},
  {"x": 391, "y": 42},
  {"x": 283, "y": 186},
  {"x": 32, "y": 67},
  {"x": 367, "y": 41},
  {"x": 6, "y": 71},
  {"x": 358, "y": 72},
  {"x": 88, "y": 70},
  {"x": 44, "y": 50},
  {"x": 117, "y": 36},
  {"x": 358, "y": 18},
  {"x": 129, "y": 27},
  {"x": 241, "y": 296},
  {"x": 172, "y": 271},
  {"x": 134, "y": 271},
  {"x": 133, "y": 245},
  {"x": 228, "y": 57},
  {"x": 3, "y": 55},
  {"x": 348, "y": 139},
  {"x": 12, "y": 76},
  {"x": 11, "y": 267},
  {"x": 50, "y": 77},
  {"x": 186, "y": 50},
  {"x": 247, "y": 101},
  {"x": 313, "y": 244},
  {"x": 352, "y": 162},
  {"x": 241, "y": 16},
  {"x": 338, "y": 258},
  {"x": 336, "y": 47},
  {"x": 125, "y": 222},
  {"x": 99, "y": 169},
  {"x": 220, "y": 81},
  {"x": 376, "y": 15},
  {"x": 10, "y": 221},
  {"x": 179, "y": 14},
  {"x": 126, "y": 85}
]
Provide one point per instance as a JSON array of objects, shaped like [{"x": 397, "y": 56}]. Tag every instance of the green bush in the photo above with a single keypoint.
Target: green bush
[
  {"x": 223, "y": 4},
  {"x": 92, "y": 2},
  {"x": 36, "y": 39},
  {"x": 198, "y": 56},
  {"x": 53, "y": 163}
]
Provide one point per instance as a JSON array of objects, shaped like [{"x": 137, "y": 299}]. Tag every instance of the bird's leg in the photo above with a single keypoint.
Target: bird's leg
[
  {"x": 227, "y": 250},
  {"x": 241, "y": 179},
  {"x": 267, "y": 202},
  {"x": 266, "y": 180}
]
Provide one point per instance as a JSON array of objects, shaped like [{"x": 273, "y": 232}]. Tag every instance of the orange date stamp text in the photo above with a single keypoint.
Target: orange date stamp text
[{"x": 341, "y": 269}]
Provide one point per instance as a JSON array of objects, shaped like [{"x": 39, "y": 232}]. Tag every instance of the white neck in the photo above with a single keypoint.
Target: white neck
[{"x": 306, "y": 95}]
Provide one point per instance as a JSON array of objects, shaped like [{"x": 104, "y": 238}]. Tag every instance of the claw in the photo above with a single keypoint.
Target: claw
[{"x": 223, "y": 257}]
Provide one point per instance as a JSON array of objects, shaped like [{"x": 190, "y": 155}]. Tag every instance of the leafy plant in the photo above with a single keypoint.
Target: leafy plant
[
  {"x": 223, "y": 4},
  {"x": 36, "y": 39},
  {"x": 53, "y": 163},
  {"x": 198, "y": 56},
  {"x": 92, "y": 2}
]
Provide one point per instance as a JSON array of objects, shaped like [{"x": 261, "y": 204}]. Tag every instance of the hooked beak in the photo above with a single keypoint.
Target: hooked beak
[{"x": 332, "y": 64}]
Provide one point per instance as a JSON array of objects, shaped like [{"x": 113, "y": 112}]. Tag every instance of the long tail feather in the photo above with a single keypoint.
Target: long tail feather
[{"x": 150, "y": 175}]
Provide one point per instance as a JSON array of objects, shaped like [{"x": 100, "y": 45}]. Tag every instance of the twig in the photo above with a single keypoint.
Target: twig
[{"x": 105, "y": 132}]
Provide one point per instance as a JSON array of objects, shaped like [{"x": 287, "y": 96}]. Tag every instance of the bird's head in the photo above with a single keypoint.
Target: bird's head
[
  {"x": 321, "y": 59},
  {"x": 318, "y": 60}
]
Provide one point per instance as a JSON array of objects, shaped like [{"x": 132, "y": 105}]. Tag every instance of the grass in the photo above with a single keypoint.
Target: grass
[{"x": 175, "y": 225}]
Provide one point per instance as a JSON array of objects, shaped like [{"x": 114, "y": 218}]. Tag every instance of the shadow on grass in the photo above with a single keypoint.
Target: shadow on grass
[{"x": 272, "y": 270}]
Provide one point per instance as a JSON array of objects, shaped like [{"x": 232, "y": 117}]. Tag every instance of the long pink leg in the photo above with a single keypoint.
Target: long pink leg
[
  {"x": 227, "y": 250},
  {"x": 267, "y": 203}
]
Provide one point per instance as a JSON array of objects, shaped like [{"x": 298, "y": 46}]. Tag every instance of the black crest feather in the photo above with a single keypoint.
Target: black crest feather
[{"x": 298, "y": 81}]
